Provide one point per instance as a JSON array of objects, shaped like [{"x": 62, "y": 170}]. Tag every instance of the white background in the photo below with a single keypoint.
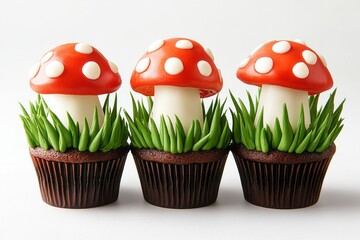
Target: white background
[{"x": 122, "y": 30}]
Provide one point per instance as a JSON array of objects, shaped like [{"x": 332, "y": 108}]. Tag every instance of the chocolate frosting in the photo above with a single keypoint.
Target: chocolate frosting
[
  {"x": 278, "y": 157},
  {"x": 75, "y": 156},
  {"x": 183, "y": 158}
]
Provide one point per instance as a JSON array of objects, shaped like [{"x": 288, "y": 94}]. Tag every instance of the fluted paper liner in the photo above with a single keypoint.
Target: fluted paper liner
[
  {"x": 79, "y": 179},
  {"x": 187, "y": 180},
  {"x": 283, "y": 180}
]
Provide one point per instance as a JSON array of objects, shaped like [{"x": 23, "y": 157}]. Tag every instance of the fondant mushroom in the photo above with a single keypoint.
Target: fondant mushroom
[
  {"x": 287, "y": 71},
  {"x": 177, "y": 72},
  {"x": 73, "y": 75}
]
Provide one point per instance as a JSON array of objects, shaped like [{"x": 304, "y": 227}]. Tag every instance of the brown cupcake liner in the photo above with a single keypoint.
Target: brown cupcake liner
[
  {"x": 284, "y": 180},
  {"x": 193, "y": 181},
  {"x": 77, "y": 179}
]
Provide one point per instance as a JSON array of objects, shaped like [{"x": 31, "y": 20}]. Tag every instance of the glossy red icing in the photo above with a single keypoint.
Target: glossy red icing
[
  {"x": 281, "y": 74},
  {"x": 155, "y": 74},
  {"x": 72, "y": 81}
]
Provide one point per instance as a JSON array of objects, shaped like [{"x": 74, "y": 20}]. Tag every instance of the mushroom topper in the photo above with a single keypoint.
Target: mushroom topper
[
  {"x": 72, "y": 75},
  {"x": 287, "y": 71},
  {"x": 177, "y": 72}
]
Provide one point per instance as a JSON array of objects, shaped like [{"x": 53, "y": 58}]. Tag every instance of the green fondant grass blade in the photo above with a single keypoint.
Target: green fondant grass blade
[
  {"x": 299, "y": 133},
  {"x": 198, "y": 145},
  {"x": 74, "y": 132},
  {"x": 268, "y": 135},
  {"x": 145, "y": 132},
  {"x": 236, "y": 127},
  {"x": 326, "y": 143},
  {"x": 61, "y": 128},
  {"x": 179, "y": 140},
  {"x": 155, "y": 136},
  {"x": 106, "y": 103},
  {"x": 28, "y": 132},
  {"x": 114, "y": 112},
  {"x": 164, "y": 134},
  {"x": 84, "y": 137},
  {"x": 52, "y": 134},
  {"x": 277, "y": 134},
  {"x": 180, "y": 128},
  {"x": 172, "y": 136},
  {"x": 198, "y": 133},
  {"x": 24, "y": 112},
  {"x": 313, "y": 145},
  {"x": 264, "y": 145},
  {"x": 287, "y": 132},
  {"x": 258, "y": 130},
  {"x": 205, "y": 129},
  {"x": 223, "y": 136},
  {"x": 252, "y": 111},
  {"x": 137, "y": 134},
  {"x": 95, "y": 143},
  {"x": 189, "y": 140},
  {"x": 106, "y": 128},
  {"x": 303, "y": 144},
  {"x": 95, "y": 127},
  {"x": 62, "y": 141}
]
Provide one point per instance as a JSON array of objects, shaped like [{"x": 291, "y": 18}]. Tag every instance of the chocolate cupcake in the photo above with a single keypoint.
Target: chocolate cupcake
[
  {"x": 179, "y": 149},
  {"x": 279, "y": 179},
  {"x": 78, "y": 147},
  {"x": 187, "y": 180},
  {"x": 75, "y": 179},
  {"x": 284, "y": 144}
]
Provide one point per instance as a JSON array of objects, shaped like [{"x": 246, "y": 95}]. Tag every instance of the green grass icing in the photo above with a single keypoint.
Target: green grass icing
[
  {"x": 171, "y": 137},
  {"x": 44, "y": 129},
  {"x": 326, "y": 124}
]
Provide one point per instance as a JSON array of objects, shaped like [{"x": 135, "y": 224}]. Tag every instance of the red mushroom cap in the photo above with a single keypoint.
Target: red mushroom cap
[
  {"x": 288, "y": 64},
  {"x": 177, "y": 62},
  {"x": 74, "y": 69}
]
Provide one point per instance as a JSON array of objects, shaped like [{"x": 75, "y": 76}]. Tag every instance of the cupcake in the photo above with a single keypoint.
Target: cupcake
[
  {"x": 179, "y": 148},
  {"x": 284, "y": 142},
  {"x": 78, "y": 147}
]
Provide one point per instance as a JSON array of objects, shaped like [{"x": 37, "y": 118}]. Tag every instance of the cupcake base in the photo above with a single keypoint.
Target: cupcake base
[
  {"x": 187, "y": 180},
  {"x": 281, "y": 180},
  {"x": 75, "y": 179}
]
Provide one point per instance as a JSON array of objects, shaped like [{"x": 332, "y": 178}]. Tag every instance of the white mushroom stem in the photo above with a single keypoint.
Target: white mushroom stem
[
  {"x": 272, "y": 99},
  {"x": 78, "y": 106},
  {"x": 182, "y": 102}
]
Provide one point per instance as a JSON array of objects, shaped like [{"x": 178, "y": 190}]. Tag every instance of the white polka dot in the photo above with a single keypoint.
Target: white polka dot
[
  {"x": 54, "y": 69},
  {"x": 91, "y": 70},
  {"x": 281, "y": 47},
  {"x": 84, "y": 48},
  {"x": 300, "y": 41},
  {"x": 173, "y": 66},
  {"x": 323, "y": 60},
  {"x": 204, "y": 68},
  {"x": 155, "y": 45},
  {"x": 300, "y": 70},
  {"x": 113, "y": 67},
  {"x": 142, "y": 65},
  {"x": 47, "y": 57},
  {"x": 209, "y": 52},
  {"x": 184, "y": 44},
  {"x": 33, "y": 71},
  {"x": 309, "y": 57},
  {"x": 244, "y": 62},
  {"x": 263, "y": 65}
]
